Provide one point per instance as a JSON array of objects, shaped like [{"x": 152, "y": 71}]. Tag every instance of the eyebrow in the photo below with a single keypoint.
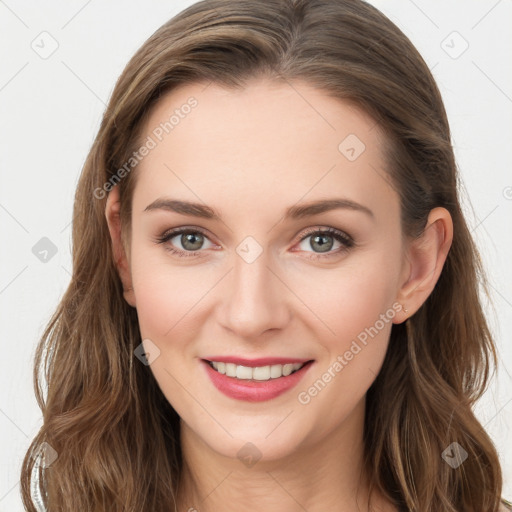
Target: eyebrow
[{"x": 292, "y": 213}]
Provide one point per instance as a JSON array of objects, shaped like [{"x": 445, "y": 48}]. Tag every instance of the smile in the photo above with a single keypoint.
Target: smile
[{"x": 256, "y": 380}]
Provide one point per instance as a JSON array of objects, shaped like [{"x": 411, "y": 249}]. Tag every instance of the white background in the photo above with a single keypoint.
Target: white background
[{"x": 51, "y": 110}]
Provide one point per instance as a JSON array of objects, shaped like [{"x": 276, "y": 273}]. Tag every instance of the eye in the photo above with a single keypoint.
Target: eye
[
  {"x": 191, "y": 240},
  {"x": 323, "y": 240}
]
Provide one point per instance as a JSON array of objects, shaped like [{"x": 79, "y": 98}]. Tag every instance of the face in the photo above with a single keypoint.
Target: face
[{"x": 252, "y": 280}]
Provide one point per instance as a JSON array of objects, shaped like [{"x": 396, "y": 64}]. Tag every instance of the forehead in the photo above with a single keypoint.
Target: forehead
[{"x": 271, "y": 142}]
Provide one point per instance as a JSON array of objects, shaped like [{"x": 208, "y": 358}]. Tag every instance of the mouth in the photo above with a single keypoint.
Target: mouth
[{"x": 255, "y": 380}]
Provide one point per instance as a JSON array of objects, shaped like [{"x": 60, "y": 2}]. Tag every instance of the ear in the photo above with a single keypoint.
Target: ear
[
  {"x": 121, "y": 260},
  {"x": 425, "y": 258}
]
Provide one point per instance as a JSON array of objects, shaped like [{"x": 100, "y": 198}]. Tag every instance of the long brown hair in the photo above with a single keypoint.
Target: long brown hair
[{"x": 116, "y": 436}]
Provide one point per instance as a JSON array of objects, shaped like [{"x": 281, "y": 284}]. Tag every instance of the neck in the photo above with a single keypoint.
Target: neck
[{"x": 324, "y": 475}]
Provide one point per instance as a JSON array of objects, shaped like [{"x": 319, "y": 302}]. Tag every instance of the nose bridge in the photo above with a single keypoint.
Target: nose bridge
[{"x": 255, "y": 300}]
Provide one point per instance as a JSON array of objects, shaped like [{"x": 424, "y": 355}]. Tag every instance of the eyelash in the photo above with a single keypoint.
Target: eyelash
[{"x": 339, "y": 236}]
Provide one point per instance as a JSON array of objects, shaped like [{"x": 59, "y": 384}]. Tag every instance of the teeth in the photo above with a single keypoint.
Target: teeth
[
  {"x": 230, "y": 369},
  {"x": 243, "y": 372},
  {"x": 274, "y": 371}
]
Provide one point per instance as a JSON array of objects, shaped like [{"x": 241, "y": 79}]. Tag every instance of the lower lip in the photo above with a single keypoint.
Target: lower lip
[{"x": 254, "y": 390}]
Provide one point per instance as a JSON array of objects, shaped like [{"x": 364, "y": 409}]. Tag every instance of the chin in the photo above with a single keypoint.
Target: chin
[{"x": 255, "y": 438}]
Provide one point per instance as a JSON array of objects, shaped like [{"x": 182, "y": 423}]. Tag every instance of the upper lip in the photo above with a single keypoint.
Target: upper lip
[{"x": 260, "y": 361}]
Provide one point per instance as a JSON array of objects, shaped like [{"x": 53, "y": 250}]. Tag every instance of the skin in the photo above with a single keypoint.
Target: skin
[{"x": 251, "y": 154}]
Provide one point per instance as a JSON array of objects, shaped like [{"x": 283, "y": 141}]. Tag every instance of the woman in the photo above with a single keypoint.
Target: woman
[{"x": 274, "y": 302}]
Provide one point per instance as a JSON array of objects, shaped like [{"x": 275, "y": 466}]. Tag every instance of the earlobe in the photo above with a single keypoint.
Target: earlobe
[
  {"x": 121, "y": 262},
  {"x": 426, "y": 257}
]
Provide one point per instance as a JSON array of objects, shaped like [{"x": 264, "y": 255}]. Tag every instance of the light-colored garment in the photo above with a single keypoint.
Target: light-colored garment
[
  {"x": 505, "y": 506},
  {"x": 34, "y": 486}
]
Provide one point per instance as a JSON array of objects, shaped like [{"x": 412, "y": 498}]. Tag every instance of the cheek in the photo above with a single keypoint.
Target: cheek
[
  {"x": 165, "y": 299},
  {"x": 347, "y": 300},
  {"x": 356, "y": 310},
  {"x": 173, "y": 302}
]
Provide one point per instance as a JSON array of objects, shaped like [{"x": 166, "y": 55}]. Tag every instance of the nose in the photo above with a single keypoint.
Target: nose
[{"x": 255, "y": 299}]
